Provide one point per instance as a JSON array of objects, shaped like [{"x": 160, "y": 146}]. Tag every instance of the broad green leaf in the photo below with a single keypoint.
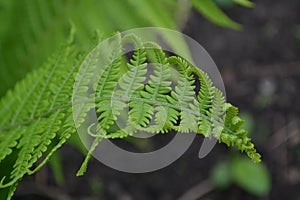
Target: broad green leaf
[
  {"x": 253, "y": 177},
  {"x": 221, "y": 175}
]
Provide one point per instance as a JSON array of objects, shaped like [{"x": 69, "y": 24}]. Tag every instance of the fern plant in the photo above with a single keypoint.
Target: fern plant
[
  {"x": 44, "y": 25},
  {"x": 37, "y": 117}
]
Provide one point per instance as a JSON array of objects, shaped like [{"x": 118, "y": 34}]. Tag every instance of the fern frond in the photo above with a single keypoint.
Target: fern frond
[
  {"x": 38, "y": 116},
  {"x": 104, "y": 90},
  {"x": 28, "y": 115},
  {"x": 42, "y": 115}
]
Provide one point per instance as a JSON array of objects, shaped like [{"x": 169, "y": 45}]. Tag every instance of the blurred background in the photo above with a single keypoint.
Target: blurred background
[{"x": 260, "y": 66}]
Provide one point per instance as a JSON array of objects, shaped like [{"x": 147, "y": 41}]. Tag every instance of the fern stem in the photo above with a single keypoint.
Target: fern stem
[{"x": 83, "y": 166}]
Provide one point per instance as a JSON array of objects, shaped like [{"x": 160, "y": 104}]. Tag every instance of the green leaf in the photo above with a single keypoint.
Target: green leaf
[
  {"x": 253, "y": 177},
  {"x": 221, "y": 175},
  {"x": 245, "y": 3},
  {"x": 213, "y": 13},
  {"x": 37, "y": 117}
]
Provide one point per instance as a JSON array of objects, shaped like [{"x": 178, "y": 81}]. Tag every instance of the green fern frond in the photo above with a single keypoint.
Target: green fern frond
[
  {"x": 41, "y": 115},
  {"x": 37, "y": 117},
  {"x": 31, "y": 115}
]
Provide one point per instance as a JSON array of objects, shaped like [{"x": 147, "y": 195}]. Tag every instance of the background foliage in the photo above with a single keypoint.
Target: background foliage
[{"x": 32, "y": 29}]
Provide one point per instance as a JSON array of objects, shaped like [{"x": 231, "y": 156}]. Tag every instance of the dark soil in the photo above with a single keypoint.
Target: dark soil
[{"x": 261, "y": 70}]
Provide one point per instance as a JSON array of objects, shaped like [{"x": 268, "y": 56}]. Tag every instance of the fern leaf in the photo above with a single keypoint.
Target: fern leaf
[
  {"x": 37, "y": 117},
  {"x": 203, "y": 103},
  {"x": 234, "y": 135},
  {"x": 132, "y": 82},
  {"x": 158, "y": 85},
  {"x": 27, "y": 114},
  {"x": 104, "y": 89},
  {"x": 217, "y": 112},
  {"x": 211, "y": 11},
  {"x": 42, "y": 113},
  {"x": 185, "y": 94}
]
